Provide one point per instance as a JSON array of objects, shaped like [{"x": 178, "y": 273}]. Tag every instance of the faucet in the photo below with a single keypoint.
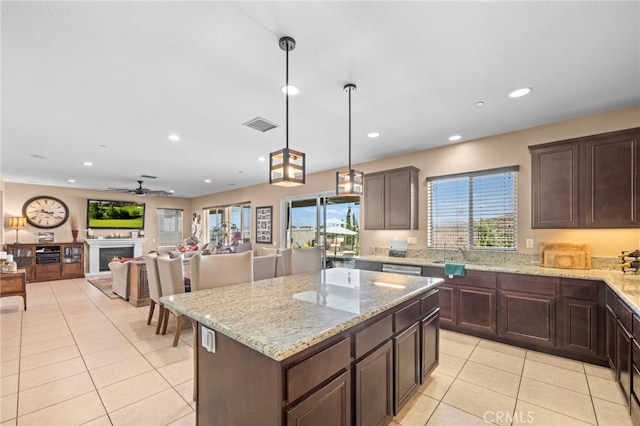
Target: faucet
[{"x": 464, "y": 252}]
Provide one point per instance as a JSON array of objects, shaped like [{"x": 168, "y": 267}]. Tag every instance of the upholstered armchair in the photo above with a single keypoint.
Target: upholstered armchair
[
  {"x": 264, "y": 267},
  {"x": 120, "y": 279},
  {"x": 220, "y": 270}
]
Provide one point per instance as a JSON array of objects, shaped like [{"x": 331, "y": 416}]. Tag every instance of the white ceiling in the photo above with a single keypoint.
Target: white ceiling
[{"x": 108, "y": 81}]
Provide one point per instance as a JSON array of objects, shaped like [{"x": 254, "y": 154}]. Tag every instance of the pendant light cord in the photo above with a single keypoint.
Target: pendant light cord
[
  {"x": 286, "y": 92},
  {"x": 350, "y": 130}
]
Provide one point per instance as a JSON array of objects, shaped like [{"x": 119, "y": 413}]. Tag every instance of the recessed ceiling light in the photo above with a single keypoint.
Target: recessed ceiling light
[
  {"x": 173, "y": 137},
  {"x": 262, "y": 158},
  {"x": 479, "y": 103},
  {"x": 520, "y": 92},
  {"x": 207, "y": 181},
  {"x": 292, "y": 90},
  {"x": 171, "y": 191},
  {"x": 455, "y": 138},
  {"x": 71, "y": 180},
  {"x": 373, "y": 134},
  {"x": 87, "y": 163}
]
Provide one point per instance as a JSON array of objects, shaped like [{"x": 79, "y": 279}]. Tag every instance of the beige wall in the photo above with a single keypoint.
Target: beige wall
[{"x": 495, "y": 151}]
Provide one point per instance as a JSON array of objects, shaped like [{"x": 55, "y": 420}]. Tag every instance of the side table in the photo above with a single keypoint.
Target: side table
[
  {"x": 138, "y": 284},
  {"x": 14, "y": 284}
]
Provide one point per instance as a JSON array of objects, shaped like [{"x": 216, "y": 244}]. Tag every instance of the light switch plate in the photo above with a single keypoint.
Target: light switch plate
[
  {"x": 529, "y": 242},
  {"x": 412, "y": 240}
]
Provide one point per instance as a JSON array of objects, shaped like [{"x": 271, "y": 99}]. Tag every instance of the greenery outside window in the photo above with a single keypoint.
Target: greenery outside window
[
  {"x": 473, "y": 210},
  {"x": 169, "y": 227}
]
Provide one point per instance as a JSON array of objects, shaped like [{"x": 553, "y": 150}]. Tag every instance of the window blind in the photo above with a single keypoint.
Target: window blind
[
  {"x": 473, "y": 210},
  {"x": 169, "y": 227}
]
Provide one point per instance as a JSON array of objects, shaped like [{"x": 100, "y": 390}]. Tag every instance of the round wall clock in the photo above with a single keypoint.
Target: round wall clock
[{"x": 45, "y": 212}]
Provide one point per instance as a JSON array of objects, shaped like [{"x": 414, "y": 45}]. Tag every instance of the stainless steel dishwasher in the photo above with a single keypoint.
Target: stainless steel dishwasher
[{"x": 402, "y": 269}]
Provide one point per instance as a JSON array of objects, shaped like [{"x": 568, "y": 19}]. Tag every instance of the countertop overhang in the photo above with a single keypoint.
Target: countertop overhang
[{"x": 283, "y": 316}]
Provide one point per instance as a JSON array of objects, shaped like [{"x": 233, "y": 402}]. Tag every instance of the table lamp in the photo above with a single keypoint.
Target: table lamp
[{"x": 17, "y": 223}]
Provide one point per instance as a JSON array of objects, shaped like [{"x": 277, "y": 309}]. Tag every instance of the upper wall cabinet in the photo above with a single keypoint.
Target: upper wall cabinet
[
  {"x": 588, "y": 182},
  {"x": 391, "y": 199}
]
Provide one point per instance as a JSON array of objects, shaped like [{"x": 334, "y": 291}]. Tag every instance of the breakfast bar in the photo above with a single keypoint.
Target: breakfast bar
[{"x": 338, "y": 346}]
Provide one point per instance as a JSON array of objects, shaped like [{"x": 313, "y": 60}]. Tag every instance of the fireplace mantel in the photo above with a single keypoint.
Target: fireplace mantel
[{"x": 96, "y": 244}]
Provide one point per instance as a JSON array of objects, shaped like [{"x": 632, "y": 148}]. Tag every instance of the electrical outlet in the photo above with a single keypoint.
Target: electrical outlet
[
  {"x": 412, "y": 240},
  {"x": 529, "y": 242}
]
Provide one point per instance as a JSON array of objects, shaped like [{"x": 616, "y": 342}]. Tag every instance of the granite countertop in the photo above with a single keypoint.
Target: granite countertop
[
  {"x": 282, "y": 316},
  {"x": 626, "y": 285}
]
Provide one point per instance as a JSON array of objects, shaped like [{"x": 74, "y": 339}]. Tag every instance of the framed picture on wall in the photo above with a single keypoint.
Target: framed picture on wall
[{"x": 263, "y": 224}]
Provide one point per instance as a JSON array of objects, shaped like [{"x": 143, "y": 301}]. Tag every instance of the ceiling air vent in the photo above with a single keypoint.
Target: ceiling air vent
[
  {"x": 148, "y": 177},
  {"x": 260, "y": 124}
]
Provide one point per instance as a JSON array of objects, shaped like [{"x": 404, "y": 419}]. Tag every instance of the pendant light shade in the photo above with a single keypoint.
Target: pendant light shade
[
  {"x": 286, "y": 166},
  {"x": 349, "y": 183}
]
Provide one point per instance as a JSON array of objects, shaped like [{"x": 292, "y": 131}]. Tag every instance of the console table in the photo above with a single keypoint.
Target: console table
[{"x": 14, "y": 284}]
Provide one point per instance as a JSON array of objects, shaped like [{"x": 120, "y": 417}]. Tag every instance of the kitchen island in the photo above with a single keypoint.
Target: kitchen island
[{"x": 339, "y": 346}]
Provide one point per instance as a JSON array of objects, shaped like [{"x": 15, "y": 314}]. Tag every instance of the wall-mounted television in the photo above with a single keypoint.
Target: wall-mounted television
[{"x": 108, "y": 214}]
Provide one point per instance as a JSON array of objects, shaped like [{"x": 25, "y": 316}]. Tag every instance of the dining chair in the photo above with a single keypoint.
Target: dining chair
[
  {"x": 120, "y": 278},
  {"x": 171, "y": 277},
  {"x": 220, "y": 270},
  {"x": 155, "y": 291},
  {"x": 264, "y": 267},
  {"x": 298, "y": 261}
]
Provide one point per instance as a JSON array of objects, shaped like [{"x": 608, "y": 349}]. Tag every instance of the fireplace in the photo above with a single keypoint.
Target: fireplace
[
  {"x": 120, "y": 247},
  {"x": 108, "y": 253}
]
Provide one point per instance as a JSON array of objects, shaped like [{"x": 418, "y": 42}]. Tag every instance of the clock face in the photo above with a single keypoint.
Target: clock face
[{"x": 45, "y": 212}]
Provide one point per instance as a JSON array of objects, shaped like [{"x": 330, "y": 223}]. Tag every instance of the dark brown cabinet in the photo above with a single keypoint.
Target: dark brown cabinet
[
  {"x": 430, "y": 349},
  {"x": 581, "y": 316},
  {"x": 328, "y": 406},
  {"x": 49, "y": 261},
  {"x": 477, "y": 309},
  {"x": 587, "y": 182},
  {"x": 527, "y": 309},
  {"x": 391, "y": 199},
  {"x": 406, "y": 365},
  {"x": 374, "y": 387}
]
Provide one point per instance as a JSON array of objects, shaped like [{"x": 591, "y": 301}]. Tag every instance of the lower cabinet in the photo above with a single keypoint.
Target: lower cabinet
[
  {"x": 580, "y": 326},
  {"x": 611, "y": 338},
  {"x": 477, "y": 309},
  {"x": 406, "y": 347},
  {"x": 623, "y": 360},
  {"x": 447, "y": 305},
  {"x": 430, "y": 348},
  {"x": 374, "y": 387},
  {"x": 330, "y": 405}
]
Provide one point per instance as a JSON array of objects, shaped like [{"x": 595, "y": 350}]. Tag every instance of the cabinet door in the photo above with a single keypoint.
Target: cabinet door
[
  {"x": 374, "y": 387},
  {"x": 555, "y": 186},
  {"x": 400, "y": 199},
  {"x": 580, "y": 326},
  {"x": 374, "y": 201},
  {"x": 613, "y": 180},
  {"x": 528, "y": 318},
  {"x": 447, "y": 305},
  {"x": 477, "y": 309},
  {"x": 611, "y": 338},
  {"x": 430, "y": 344},
  {"x": 406, "y": 365},
  {"x": 623, "y": 360},
  {"x": 330, "y": 405}
]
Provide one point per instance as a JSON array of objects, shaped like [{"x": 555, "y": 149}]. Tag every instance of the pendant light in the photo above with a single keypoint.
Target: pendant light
[
  {"x": 349, "y": 183},
  {"x": 286, "y": 166}
]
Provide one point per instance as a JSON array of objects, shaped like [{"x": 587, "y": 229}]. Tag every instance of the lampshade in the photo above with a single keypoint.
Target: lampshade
[
  {"x": 18, "y": 222},
  {"x": 349, "y": 183},
  {"x": 286, "y": 166}
]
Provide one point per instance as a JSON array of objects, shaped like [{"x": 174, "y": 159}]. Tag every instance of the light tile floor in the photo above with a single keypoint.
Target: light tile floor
[{"x": 77, "y": 357}]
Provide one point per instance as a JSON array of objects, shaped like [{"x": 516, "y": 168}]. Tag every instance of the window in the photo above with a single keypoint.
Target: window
[
  {"x": 169, "y": 227},
  {"x": 473, "y": 210},
  {"x": 229, "y": 224}
]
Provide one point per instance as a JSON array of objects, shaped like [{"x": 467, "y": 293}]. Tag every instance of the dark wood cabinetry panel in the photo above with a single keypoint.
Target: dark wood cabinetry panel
[
  {"x": 430, "y": 344},
  {"x": 447, "y": 304},
  {"x": 49, "y": 261},
  {"x": 529, "y": 318},
  {"x": 374, "y": 387},
  {"x": 406, "y": 365},
  {"x": 587, "y": 182},
  {"x": 623, "y": 361},
  {"x": 331, "y": 405},
  {"x": 611, "y": 348},
  {"x": 477, "y": 309},
  {"x": 555, "y": 186},
  {"x": 612, "y": 193},
  {"x": 580, "y": 326},
  {"x": 391, "y": 199}
]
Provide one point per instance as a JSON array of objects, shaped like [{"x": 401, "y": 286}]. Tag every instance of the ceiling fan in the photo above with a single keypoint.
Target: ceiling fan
[{"x": 140, "y": 190}]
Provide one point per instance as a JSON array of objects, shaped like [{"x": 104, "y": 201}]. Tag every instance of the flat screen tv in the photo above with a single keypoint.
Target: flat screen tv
[{"x": 108, "y": 214}]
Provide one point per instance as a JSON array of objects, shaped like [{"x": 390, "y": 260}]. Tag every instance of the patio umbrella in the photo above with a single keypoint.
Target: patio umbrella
[
  {"x": 334, "y": 221},
  {"x": 338, "y": 230}
]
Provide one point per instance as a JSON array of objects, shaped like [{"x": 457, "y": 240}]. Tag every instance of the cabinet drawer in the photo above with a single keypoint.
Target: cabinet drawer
[
  {"x": 580, "y": 289},
  {"x": 474, "y": 279},
  {"x": 624, "y": 314},
  {"x": 406, "y": 316},
  {"x": 48, "y": 271},
  {"x": 372, "y": 336},
  {"x": 10, "y": 283},
  {"x": 303, "y": 377},
  {"x": 429, "y": 302},
  {"x": 528, "y": 284}
]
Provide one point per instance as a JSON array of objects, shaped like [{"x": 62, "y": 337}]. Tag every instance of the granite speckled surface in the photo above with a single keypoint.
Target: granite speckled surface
[
  {"x": 282, "y": 316},
  {"x": 626, "y": 285}
]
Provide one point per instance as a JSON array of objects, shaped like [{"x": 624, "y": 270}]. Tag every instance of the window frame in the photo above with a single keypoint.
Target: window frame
[{"x": 179, "y": 226}]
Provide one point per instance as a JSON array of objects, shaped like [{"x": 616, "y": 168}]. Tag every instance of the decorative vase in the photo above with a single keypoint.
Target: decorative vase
[{"x": 74, "y": 234}]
